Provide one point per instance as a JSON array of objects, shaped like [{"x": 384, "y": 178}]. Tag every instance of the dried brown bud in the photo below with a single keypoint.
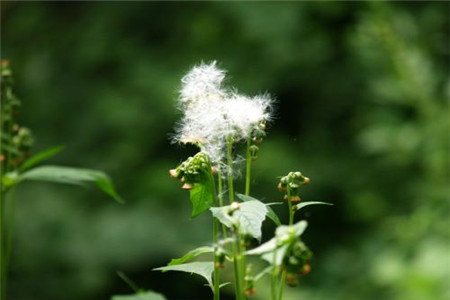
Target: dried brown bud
[{"x": 280, "y": 187}]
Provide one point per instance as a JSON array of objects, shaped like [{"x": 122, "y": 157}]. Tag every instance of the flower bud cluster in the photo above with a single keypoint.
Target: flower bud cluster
[
  {"x": 189, "y": 171},
  {"x": 291, "y": 183},
  {"x": 18, "y": 140},
  {"x": 296, "y": 262}
]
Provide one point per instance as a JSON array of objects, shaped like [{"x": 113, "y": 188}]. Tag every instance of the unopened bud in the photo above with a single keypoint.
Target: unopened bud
[
  {"x": 214, "y": 170},
  {"x": 280, "y": 187},
  {"x": 249, "y": 292},
  {"x": 307, "y": 180},
  {"x": 306, "y": 269},
  {"x": 173, "y": 173},
  {"x": 187, "y": 186},
  {"x": 292, "y": 280},
  {"x": 235, "y": 206},
  {"x": 295, "y": 199}
]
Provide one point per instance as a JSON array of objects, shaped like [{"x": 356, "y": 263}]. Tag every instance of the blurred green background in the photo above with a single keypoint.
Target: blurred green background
[{"x": 362, "y": 110}]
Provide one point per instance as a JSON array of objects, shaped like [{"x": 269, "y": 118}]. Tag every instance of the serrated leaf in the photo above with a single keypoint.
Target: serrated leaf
[
  {"x": 270, "y": 213},
  {"x": 303, "y": 204},
  {"x": 190, "y": 255},
  {"x": 40, "y": 156},
  {"x": 149, "y": 295},
  {"x": 249, "y": 217},
  {"x": 204, "y": 269},
  {"x": 71, "y": 175},
  {"x": 202, "y": 195}
]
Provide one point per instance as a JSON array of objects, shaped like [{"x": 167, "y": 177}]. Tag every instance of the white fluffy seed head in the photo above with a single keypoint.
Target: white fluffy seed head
[
  {"x": 243, "y": 114},
  {"x": 212, "y": 114},
  {"x": 203, "y": 82}
]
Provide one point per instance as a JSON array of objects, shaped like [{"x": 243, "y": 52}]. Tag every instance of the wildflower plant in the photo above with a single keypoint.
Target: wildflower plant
[
  {"x": 18, "y": 164},
  {"x": 218, "y": 120}
]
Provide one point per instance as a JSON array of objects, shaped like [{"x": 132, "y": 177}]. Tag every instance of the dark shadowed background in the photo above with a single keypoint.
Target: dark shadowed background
[{"x": 362, "y": 110}]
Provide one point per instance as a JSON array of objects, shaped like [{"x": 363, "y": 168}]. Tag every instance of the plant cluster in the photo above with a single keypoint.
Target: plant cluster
[
  {"x": 17, "y": 164},
  {"x": 218, "y": 120}
]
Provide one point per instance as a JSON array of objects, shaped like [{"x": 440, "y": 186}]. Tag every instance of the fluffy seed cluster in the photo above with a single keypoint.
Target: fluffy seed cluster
[{"x": 213, "y": 113}]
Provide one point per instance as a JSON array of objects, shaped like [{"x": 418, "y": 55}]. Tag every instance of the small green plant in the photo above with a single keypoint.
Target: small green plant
[
  {"x": 219, "y": 121},
  {"x": 17, "y": 165}
]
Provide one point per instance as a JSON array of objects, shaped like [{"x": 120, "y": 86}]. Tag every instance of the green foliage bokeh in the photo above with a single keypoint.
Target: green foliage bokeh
[{"x": 362, "y": 110}]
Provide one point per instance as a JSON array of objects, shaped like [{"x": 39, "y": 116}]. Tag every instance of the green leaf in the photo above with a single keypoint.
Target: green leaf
[
  {"x": 149, "y": 295},
  {"x": 191, "y": 254},
  {"x": 70, "y": 175},
  {"x": 202, "y": 194},
  {"x": 270, "y": 213},
  {"x": 273, "y": 216},
  {"x": 283, "y": 235},
  {"x": 303, "y": 204},
  {"x": 204, "y": 269},
  {"x": 248, "y": 217},
  {"x": 40, "y": 156},
  {"x": 9, "y": 179}
]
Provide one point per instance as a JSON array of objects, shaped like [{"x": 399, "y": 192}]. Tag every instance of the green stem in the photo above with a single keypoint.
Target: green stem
[
  {"x": 220, "y": 184},
  {"x": 291, "y": 211},
  {"x": 216, "y": 275},
  {"x": 283, "y": 280},
  {"x": 237, "y": 270},
  {"x": 2, "y": 247},
  {"x": 10, "y": 230},
  {"x": 216, "y": 260},
  {"x": 2, "y": 210},
  {"x": 274, "y": 279},
  {"x": 237, "y": 249},
  {"x": 230, "y": 169},
  {"x": 241, "y": 262},
  {"x": 248, "y": 169}
]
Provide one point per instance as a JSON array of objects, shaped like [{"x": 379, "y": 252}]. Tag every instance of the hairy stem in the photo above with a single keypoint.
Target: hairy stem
[
  {"x": 283, "y": 280},
  {"x": 2, "y": 247},
  {"x": 237, "y": 270},
  {"x": 230, "y": 169},
  {"x": 248, "y": 169},
  {"x": 291, "y": 211},
  {"x": 10, "y": 229},
  {"x": 216, "y": 260},
  {"x": 274, "y": 278},
  {"x": 216, "y": 275},
  {"x": 220, "y": 197}
]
